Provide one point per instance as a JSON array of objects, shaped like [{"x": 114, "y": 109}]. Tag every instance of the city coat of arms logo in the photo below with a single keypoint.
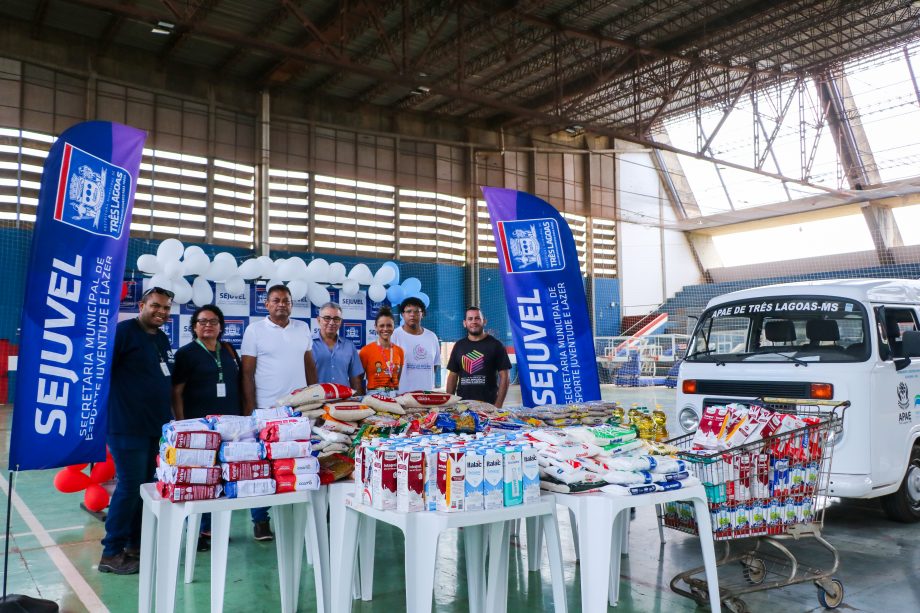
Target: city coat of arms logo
[
  {"x": 531, "y": 245},
  {"x": 92, "y": 194}
]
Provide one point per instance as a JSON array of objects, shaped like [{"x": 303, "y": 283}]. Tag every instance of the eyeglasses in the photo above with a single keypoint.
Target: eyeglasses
[
  {"x": 158, "y": 290},
  {"x": 326, "y": 319},
  {"x": 208, "y": 322}
]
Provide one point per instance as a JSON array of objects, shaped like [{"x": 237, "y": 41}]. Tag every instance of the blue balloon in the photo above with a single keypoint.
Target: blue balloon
[
  {"x": 424, "y": 298},
  {"x": 395, "y": 294},
  {"x": 411, "y": 286},
  {"x": 395, "y": 268}
]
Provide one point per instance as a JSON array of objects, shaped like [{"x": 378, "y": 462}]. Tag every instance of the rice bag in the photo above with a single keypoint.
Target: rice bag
[
  {"x": 175, "y": 492},
  {"x": 189, "y": 439},
  {"x": 425, "y": 400},
  {"x": 188, "y": 475},
  {"x": 287, "y": 449},
  {"x": 320, "y": 392},
  {"x": 237, "y": 428},
  {"x": 186, "y": 425},
  {"x": 333, "y": 448},
  {"x": 295, "y": 466},
  {"x": 299, "y": 429},
  {"x": 349, "y": 411},
  {"x": 246, "y": 470},
  {"x": 273, "y": 413},
  {"x": 240, "y": 451},
  {"x": 251, "y": 487},
  {"x": 296, "y": 483},
  {"x": 187, "y": 457},
  {"x": 380, "y": 402}
]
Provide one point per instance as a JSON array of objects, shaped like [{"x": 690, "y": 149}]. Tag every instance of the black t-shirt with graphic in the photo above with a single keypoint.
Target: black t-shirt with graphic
[{"x": 476, "y": 364}]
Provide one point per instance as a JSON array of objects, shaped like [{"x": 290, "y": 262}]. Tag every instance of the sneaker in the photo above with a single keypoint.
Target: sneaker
[
  {"x": 119, "y": 564},
  {"x": 261, "y": 531},
  {"x": 204, "y": 543}
]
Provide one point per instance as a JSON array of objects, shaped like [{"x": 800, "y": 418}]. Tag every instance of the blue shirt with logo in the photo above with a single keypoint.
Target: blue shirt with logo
[{"x": 338, "y": 364}]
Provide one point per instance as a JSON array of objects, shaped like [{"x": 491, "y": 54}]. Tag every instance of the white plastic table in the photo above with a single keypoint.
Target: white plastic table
[
  {"x": 422, "y": 531},
  {"x": 161, "y": 540},
  {"x": 600, "y": 549}
]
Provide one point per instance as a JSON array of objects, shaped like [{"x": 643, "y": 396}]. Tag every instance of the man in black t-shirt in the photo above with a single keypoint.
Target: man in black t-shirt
[
  {"x": 479, "y": 363},
  {"x": 139, "y": 405}
]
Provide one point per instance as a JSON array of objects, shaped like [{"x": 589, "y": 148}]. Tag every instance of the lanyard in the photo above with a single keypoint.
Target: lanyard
[
  {"x": 156, "y": 347},
  {"x": 389, "y": 363},
  {"x": 217, "y": 360}
]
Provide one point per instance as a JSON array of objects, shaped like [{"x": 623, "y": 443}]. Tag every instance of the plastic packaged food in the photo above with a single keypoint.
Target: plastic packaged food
[
  {"x": 245, "y": 471},
  {"x": 251, "y": 487},
  {"x": 188, "y": 475}
]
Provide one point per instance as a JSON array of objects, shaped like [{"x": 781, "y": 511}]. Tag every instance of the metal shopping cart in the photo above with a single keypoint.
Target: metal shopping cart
[{"x": 764, "y": 497}]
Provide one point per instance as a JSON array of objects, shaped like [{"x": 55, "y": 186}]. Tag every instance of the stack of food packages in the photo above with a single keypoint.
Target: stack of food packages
[
  {"x": 760, "y": 488},
  {"x": 609, "y": 457},
  {"x": 446, "y": 472},
  {"x": 650, "y": 425},
  {"x": 186, "y": 467}
]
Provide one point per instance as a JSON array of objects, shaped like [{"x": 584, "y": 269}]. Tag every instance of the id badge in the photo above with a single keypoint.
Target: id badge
[
  {"x": 221, "y": 390},
  {"x": 164, "y": 368}
]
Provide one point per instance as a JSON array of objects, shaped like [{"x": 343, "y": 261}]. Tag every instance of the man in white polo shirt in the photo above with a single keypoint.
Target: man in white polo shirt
[{"x": 277, "y": 358}]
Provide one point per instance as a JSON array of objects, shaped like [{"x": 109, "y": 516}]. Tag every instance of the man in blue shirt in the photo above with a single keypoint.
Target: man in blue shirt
[
  {"x": 336, "y": 358},
  {"x": 139, "y": 405}
]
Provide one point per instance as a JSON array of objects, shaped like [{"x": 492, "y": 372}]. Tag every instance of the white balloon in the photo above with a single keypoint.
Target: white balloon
[
  {"x": 318, "y": 294},
  {"x": 250, "y": 269},
  {"x": 298, "y": 289},
  {"x": 385, "y": 275},
  {"x": 377, "y": 292},
  {"x": 336, "y": 272},
  {"x": 158, "y": 280},
  {"x": 192, "y": 252},
  {"x": 272, "y": 283},
  {"x": 266, "y": 266},
  {"x": 362, "y": 274},
  {"x": 225, "y": 256},
  {"x": 196, "y": 261},
  {"x": 221, "y": 270},
  {"x": 201, "y": 292},
  {"x": 235, "y": 285},
  {"x": 183, "y": 290},
  {"x": 286, "y": 269},
  {"x": 350, "y": 287},
  {"x": 173, "y": 269},
  {"x": 170, "y": 249},
  {"x": 319, "y": 270},
  {"x": 149, "y": 264}
]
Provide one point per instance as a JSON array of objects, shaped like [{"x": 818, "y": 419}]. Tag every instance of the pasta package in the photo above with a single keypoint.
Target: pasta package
[
  {"x": 188, "y": 475},
  {"x": 349, "y": 411},
  {"x": 175, "y": 492},
  {"x": 312, "y": 394},
  {"x": 190, "y": 439},
  {"x": 425, "y": 399},
  {"x": 296, "y": 483}
]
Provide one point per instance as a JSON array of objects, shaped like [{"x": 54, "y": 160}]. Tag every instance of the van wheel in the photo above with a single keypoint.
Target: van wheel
[{"x": 904, "y": 504}]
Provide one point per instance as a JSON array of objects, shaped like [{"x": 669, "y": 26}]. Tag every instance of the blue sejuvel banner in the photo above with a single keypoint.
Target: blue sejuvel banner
[
  {"x": 546, "y": 299},
  {"x": 73, "y": 289}
]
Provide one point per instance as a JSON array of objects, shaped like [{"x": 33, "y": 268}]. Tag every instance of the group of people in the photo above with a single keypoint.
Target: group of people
[{"x": 151, "y": 384}]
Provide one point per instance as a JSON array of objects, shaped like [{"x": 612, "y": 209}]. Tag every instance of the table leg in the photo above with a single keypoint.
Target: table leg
[
  {"x": 148, "y": 558},
  {"x": 554, "y": 551},
  {"x": 497, "y": 584},
  {"x": 169, "y": 539},
  {"x": 475, "y": 559},
  {"x": 366, "y": 552},
  {"x": 220, "y": 536},
  {"x": 421, "y": 557},
  {"x": 595, "y": 530},
  {"x": 301, "y": 516},
  {"x": 193, "y": 525},
  {"x": 283, "y": 547},
  {"x": 345, "y": 570},
  {"x": 574, "y": 524},
  {"x": 316, "y": 528},
  {"x": 659, "y": 513},
  {"x": 709, "y": 553},
  {"x": 617, "y": 545},
  {"x": 534, "y": 543}
]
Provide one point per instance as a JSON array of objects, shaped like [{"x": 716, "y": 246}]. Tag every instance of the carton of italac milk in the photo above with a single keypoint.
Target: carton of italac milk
[
  {"x": 430, "y": 456},
  {"x": 514, "y": 476},
  {"x": 473, "y": 494},
  {"x": 531, "y": 471},
  {"x": 383, "y": 480},
  {"x": 493, "y": 478},
  {"x": 451, "y": 479},
  {"x": 410, "y": 481}
]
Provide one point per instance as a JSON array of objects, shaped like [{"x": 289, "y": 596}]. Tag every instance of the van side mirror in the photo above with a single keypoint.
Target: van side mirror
[{"x": 910, "y": 343}]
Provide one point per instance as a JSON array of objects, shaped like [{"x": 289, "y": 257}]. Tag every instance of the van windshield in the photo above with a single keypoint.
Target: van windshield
[{"x": 799, "y": 329}]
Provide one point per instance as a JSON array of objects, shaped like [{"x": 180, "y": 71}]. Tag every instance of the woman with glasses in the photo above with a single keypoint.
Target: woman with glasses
[
  {"x": 206, "y": 380},
  {"x": 382, "y": 359}
]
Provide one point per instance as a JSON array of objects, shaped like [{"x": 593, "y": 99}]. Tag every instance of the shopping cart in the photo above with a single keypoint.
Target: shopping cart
[{"x": 762, "y": 495}]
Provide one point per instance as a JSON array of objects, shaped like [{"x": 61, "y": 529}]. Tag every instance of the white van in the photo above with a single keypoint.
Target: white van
[{"x": 850, "y": 339}]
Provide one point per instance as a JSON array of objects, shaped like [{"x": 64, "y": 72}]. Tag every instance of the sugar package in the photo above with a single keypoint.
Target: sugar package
[
  {"x": 239, "y": 451},
  {"x": 188, "y": 475},
  {"x": 251, "y": 487},
  {"x": 296, "y": 466},
  {"x": 187, "y": 457},
  {"x": 296, "y": 483},
  {"x": 188, "y": 439},
  {"x": 287, "y": 449}
]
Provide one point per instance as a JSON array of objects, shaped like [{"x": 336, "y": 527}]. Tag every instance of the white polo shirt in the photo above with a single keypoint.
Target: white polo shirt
[
  {"x": 422, "y": 354},
  {"x": 279, "y": 357}
]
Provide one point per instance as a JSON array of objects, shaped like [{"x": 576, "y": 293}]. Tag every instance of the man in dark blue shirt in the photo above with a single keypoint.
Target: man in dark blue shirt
[{"x": 139, "y": 405}]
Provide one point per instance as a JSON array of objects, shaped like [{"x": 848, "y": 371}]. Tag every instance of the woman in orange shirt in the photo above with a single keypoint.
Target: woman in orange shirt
[{"x": 382, "y": 360}]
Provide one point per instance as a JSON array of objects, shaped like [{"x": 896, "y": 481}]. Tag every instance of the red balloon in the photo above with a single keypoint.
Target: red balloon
[
  {"x": 103, "y": 471},
  {"x": 124, "y": 290},
  {"x": 96, "y": 498},
  {"x": 69, "y": 481},
  {"x": 77, "y": 467}
]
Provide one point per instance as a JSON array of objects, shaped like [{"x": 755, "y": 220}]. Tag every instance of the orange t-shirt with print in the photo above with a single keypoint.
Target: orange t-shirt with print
[{"x": 382, "y": 366}]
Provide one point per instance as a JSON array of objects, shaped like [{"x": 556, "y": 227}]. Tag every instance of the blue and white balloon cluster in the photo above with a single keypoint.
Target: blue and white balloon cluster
[{"x": 174, "y": 262}]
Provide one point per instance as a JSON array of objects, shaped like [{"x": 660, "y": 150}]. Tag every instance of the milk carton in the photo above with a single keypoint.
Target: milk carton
[
  {"x": 531, "y": 472},
  {"x": 383, "y": 482},
  {"x": 514, "y": 476},
  {"x": 493, "y": 479},
  {"x": 451, "y": 479},
  {"x": 410, "y": 481},
  {"x": 473, "y": 492},
  {"x": 359, "y": 472},
  {"x": 430, "y": 455}
]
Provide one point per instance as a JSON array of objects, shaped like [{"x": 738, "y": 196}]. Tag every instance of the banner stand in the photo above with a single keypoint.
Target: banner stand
[{"x": 6, "y": 546}]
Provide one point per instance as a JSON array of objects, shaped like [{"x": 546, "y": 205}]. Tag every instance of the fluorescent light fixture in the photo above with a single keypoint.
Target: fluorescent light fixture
[
  {"x": 160, "y": 31},
  {"x": 574, "y": 130},
  {"x": 166, "y": 25},
  {"x": 163, "y": 28}
]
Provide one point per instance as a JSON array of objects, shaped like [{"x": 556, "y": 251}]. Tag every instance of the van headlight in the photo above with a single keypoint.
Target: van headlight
[{"x": 688, "y": 418}]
